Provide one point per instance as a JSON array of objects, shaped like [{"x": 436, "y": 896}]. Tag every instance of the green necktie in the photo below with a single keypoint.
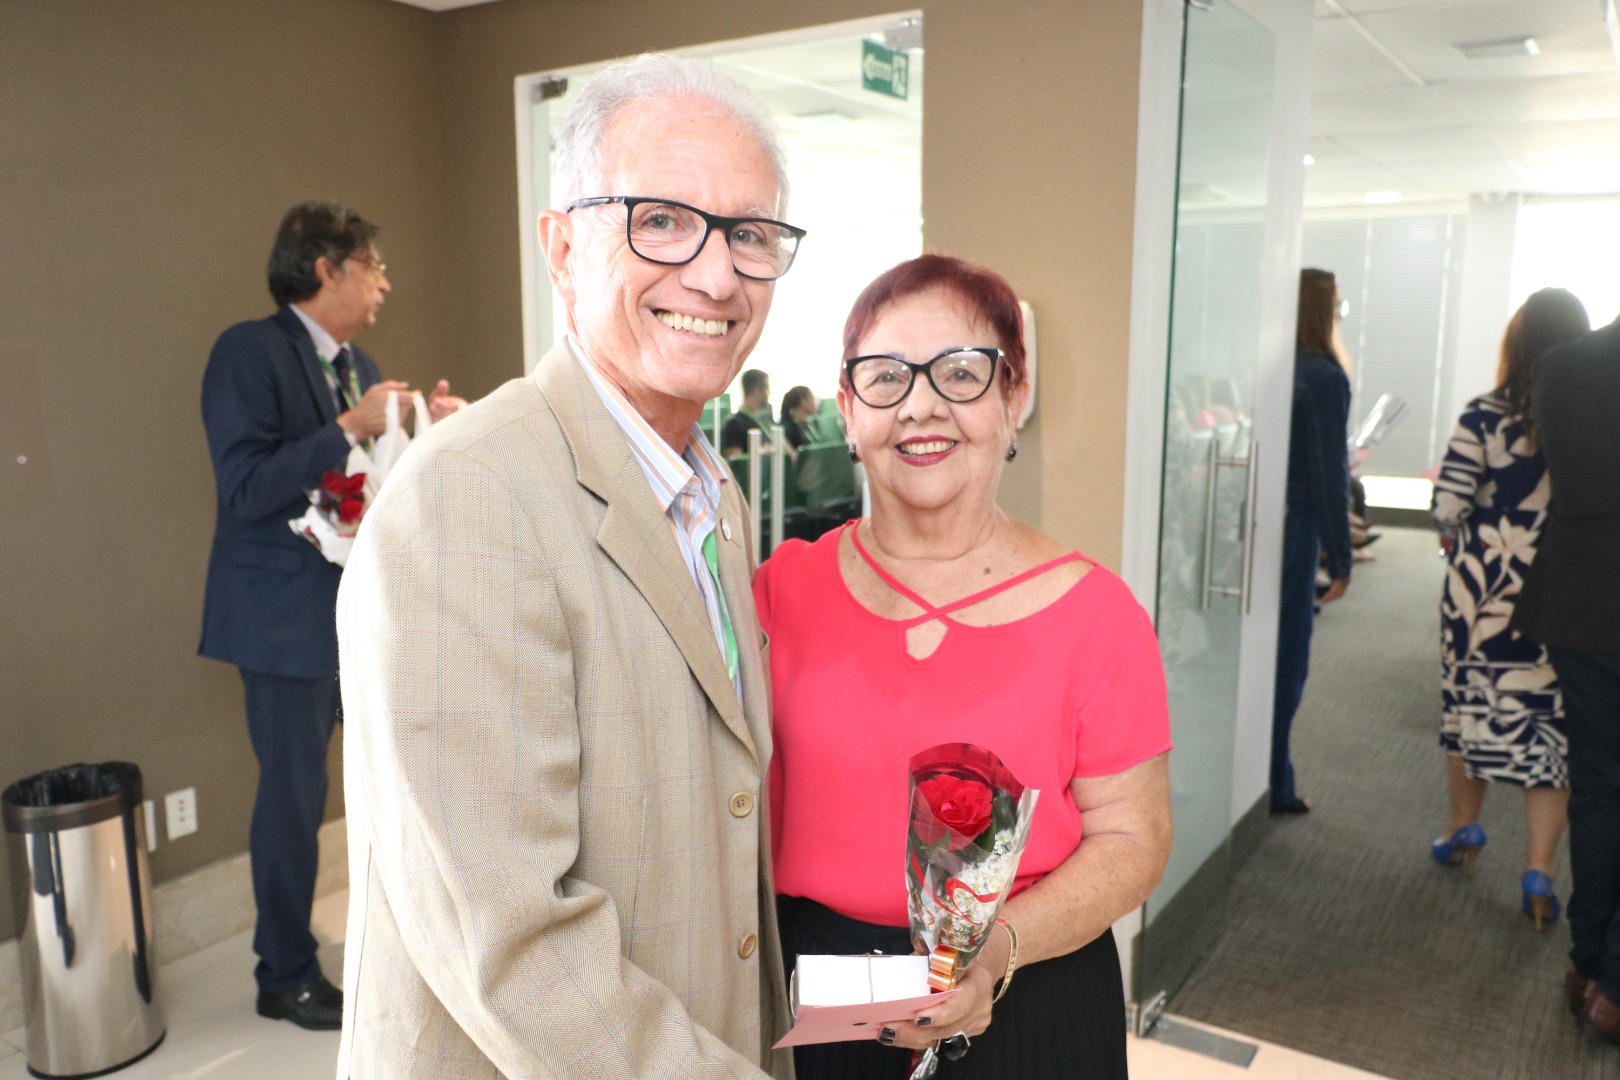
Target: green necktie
[{"x": 711, "y": 557}]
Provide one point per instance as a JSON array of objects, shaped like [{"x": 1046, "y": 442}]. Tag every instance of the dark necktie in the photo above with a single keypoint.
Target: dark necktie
[{"x": 345, "y": 376}]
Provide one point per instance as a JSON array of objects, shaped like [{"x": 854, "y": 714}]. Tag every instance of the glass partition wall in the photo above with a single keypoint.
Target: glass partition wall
[{"x": 1206, "y": 525}]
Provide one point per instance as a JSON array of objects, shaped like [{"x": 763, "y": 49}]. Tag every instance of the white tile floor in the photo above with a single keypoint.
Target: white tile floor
[{"x": 215, "y": 1035}]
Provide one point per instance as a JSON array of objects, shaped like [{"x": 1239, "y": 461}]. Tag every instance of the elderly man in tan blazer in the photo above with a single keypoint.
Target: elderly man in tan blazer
[{"x": 554, "y": 685}]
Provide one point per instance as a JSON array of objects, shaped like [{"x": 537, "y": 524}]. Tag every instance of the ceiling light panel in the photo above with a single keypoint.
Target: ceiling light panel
[
  {"x": 1569, "y": 36},
  {"x": 1499, "y": 50}
]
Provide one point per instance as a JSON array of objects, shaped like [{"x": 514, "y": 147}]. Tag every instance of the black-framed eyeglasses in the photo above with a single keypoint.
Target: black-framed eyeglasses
[
  {"x": 672, "y": 233},
  {"x": 961, "y": 374}
]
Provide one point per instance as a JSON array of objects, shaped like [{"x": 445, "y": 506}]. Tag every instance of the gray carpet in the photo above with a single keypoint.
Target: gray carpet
[{"x": 1346, "y": 940}]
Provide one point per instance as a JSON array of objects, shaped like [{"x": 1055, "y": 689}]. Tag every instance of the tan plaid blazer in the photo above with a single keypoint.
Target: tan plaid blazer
[{"x": 559, "y": 849}]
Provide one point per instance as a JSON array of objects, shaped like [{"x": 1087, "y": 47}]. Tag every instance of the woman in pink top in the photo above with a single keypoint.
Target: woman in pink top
[{"x": 940, "y": 619}]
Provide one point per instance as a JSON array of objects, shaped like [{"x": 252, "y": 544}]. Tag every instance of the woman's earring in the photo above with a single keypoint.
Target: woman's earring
[
  {"x": 1012, "y": 450},
  {"x": 854, "y": 454}
]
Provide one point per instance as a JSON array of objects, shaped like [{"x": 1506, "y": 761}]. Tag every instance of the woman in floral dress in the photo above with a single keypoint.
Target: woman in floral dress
[{"x": 1501, "y": 718}]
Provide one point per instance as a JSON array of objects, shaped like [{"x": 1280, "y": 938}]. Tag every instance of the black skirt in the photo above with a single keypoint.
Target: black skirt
[{"x": 1062, "y": 1019}]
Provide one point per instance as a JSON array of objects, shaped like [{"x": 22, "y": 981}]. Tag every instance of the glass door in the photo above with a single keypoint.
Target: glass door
[{"x": 1209, "y": 458}]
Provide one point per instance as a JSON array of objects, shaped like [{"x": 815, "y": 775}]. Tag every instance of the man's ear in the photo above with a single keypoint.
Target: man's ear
[
  {"x": 556, "y": 247},
  {"x": 327, "y": 272}
]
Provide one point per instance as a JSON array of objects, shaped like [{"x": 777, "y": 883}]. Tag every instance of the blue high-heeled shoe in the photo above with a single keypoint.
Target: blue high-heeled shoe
[
  {"x": 1462, "y": 846},
  {"x": 1540, "y": 902}
]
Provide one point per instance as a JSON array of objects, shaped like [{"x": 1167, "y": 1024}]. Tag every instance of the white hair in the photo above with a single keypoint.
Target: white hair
[{"x": 655, "y": 77}]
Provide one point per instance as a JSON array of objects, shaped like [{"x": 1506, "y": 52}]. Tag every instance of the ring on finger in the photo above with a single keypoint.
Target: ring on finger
[{"x": 955, "y": 1047}]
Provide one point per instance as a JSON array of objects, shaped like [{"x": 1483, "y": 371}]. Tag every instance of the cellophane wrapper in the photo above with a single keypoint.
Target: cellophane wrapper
[{"x": 956, "y": 883}]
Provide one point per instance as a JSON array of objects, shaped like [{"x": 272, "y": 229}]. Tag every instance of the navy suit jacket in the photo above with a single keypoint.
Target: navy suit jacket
[
  {"x": 1571, "y": 595},
  {"x": 271, "y": 599}
]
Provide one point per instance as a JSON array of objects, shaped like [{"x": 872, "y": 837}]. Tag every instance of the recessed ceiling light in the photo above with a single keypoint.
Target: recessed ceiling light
[
  {"x": 1377, "y": 198},
  {"x": 1503, "y": 47},
  {"x": 1310, "y": 159}
]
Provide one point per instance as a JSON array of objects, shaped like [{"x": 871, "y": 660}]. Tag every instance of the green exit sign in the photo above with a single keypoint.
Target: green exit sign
[{"x": 886, "y": 71}]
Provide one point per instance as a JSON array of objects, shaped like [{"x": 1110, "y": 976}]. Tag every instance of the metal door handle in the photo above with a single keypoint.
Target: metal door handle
[
  {"x": 1210, "y": 473},
  {"x": 1248, "y": 527},
  {"x": 1216, "y": 464}
]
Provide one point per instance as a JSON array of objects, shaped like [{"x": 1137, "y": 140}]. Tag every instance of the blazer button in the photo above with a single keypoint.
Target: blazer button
[
  {"x": 745, "y": 947},
  {"x": 742, "y": 804},
  {"x": 725, "y": 528}
]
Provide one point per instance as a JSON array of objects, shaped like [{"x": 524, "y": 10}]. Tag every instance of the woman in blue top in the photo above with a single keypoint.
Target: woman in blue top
[
  {"x": 1318, "y": 520},
  {"x": 1501, "y": 717}
]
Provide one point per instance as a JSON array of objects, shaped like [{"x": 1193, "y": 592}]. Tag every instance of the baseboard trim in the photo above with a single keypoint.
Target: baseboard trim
[{"x": 194, "y": 911}]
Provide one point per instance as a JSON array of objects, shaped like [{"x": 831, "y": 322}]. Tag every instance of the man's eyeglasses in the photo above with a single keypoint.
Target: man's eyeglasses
[
  {"x": 959, "y": 375},
  {"x": 376, "y": 266},
  {"x": 671, "y": 233}
]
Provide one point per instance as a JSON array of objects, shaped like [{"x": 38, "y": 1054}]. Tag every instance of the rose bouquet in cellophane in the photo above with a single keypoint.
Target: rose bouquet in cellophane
[
  {"x": 970, "y": 821},
  {"x": 333, "y": 517},
  {"x": 338, "y": 505}
]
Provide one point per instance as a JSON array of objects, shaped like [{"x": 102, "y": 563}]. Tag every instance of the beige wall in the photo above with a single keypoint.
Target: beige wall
[
  {"x": 1029, "y": 151},
  {"x": 147, "y": 151}
]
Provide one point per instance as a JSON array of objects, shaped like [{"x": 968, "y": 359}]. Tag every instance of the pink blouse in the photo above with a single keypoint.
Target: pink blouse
[{"x": 1074, "y": 690}]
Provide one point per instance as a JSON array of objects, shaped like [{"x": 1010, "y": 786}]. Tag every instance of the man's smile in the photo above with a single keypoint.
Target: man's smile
[{"x": 703, "y": 327}]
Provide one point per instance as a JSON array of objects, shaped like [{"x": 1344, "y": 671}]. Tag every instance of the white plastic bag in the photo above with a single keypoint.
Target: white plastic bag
[{"x": 334, "y": 541}]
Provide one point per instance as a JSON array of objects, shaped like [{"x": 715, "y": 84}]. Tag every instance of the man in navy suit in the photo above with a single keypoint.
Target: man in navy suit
[
  {"x": 1571, "y": 604},
  {"x": 283, "y": 401}
]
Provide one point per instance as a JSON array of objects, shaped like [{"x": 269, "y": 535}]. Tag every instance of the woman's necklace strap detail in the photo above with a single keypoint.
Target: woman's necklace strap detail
[{"x": 943, "y": 611}]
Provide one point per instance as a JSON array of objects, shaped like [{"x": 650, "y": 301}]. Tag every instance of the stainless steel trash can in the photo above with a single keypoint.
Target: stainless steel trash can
[{"x": 76, "y": 841}]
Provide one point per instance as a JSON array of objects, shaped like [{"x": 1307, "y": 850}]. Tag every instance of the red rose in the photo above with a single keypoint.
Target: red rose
[
  {"x": 339, "y": 486},
  {"x": 962, "y": 806},
  {"x": 349, "y": 510},
  {"x": 332, "y": 482}
]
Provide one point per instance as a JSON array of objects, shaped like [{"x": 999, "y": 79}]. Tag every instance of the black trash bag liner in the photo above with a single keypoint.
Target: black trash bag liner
[{"x": 73, "y": 784}]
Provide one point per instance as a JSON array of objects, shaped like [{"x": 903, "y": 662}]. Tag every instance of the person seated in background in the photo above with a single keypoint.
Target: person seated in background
[
  {"x": 1501, "y": 714},
  {"x": 798, "y": 406},
  {"x": 755, "y": 413},
  {"x": 940, "y": 619}
]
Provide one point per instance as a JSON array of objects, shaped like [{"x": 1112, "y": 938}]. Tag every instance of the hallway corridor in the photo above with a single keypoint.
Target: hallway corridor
[{"x": 1346, "y": 940}]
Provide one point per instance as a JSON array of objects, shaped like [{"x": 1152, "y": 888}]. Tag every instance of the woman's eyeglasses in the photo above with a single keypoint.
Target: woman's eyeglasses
[{"x": 959, "y": 374}]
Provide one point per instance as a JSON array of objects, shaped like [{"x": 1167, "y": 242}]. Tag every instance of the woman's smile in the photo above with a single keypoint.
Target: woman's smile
[{"x": 925, "y": 449}]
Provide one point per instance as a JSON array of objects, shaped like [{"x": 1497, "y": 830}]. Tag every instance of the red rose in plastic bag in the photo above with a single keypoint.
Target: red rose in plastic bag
[
  {"x": 350, "y": 511},
  {"x": 962, "y": 806}
]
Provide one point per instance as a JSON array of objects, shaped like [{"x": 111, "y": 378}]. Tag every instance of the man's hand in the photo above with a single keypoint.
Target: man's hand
[
  {"x": 1335, "y": 590},
  {"x": 441, "y": 403},
  {"x": 369, "y": 417}
]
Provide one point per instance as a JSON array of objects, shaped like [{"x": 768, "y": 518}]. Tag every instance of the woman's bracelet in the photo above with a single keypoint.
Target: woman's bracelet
[{"x": 1012, "y": 959}]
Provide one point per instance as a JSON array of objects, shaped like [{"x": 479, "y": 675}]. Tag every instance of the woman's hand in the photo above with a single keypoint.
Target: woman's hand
[{"x": 967, "y": 1010}]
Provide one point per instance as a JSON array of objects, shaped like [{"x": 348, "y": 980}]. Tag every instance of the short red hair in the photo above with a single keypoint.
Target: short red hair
[{"x": 985, "y": 293}]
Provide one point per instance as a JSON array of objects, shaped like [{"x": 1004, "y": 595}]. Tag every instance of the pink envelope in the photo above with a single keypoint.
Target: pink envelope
[{"x": 848, "y": 983}]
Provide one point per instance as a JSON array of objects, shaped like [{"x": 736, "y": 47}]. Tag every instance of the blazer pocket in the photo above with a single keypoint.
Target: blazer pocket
[{"x": 267, "y": 557}]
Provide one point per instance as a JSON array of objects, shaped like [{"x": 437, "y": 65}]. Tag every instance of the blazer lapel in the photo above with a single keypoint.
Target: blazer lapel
[
  {"x": 310, "y": 362},
  {"x": 635, "y": 534}
]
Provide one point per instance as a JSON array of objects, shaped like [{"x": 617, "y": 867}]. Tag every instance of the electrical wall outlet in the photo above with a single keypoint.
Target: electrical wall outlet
[
  {"x": 150, "y": 809},
  {"x": 181, "y": 807}
]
